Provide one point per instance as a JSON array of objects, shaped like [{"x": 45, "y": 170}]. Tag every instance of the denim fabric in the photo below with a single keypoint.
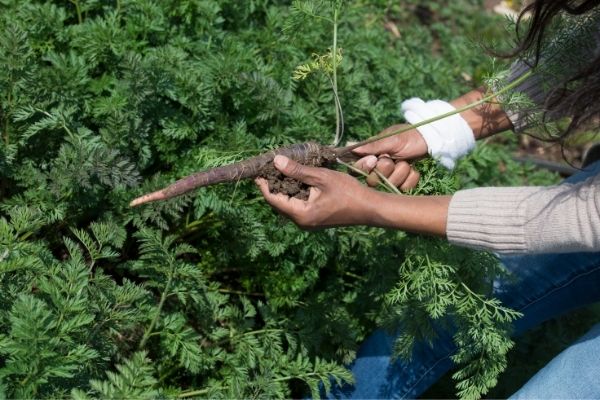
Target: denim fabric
[
  {"x": 542, "y": 287},
  {"x": 573, "y": 374}
]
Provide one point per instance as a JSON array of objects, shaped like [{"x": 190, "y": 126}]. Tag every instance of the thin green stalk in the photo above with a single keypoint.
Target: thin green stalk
[
  {"x": 194, "y": 224},
  {"x": 485, "y": 99},
  {"x": 488, "y": 303},
  {"x": 63, "y": 122},
  {"x": 250, "y": 333},
  {"x": 194, "y": 393},
  {"x": 339, "y": 116},
  {"x": 355, "y": 276},
  {"x": 26, "y": 235},
  {"x": 240, "y": 293},
  {"x": 161, "y": 303},
  {"x": 289, "y": 378},
  {"x": 406, "y": 128},
  {"x": 338, "y": 108},
  {"x": 385, "y": 183},
  {"x": 317, "y": 16},
  {"x": 78, "y": 9},
  {"x": 259, "y": 331}
]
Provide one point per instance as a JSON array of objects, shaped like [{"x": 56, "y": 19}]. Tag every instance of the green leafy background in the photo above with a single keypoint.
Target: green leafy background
[{"x": 212, "y": 294}]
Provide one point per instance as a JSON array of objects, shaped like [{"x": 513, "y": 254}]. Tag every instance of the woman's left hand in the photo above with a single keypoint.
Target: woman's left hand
[{"x": 336, "y": 199}]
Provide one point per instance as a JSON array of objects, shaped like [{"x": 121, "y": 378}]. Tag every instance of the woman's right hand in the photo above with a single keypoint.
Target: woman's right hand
[{"x": 390, "y": 156}]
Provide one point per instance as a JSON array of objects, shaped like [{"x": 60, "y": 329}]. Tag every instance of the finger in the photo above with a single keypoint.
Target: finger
[
  {"x": 386, "y": 166},
  {"x": 293, "y": 169},
  {"x": 285, "y": 204},
  {"x": 405, "y": 146},
  {"x": 411, "y": 181},
  {"x": 373, "y": 180},
  {"x": 263, "y": 185},
  {"x": 400, "y": 173},
  {"x": 383, "y": 146},
  {"x": 366, "y": 164}
]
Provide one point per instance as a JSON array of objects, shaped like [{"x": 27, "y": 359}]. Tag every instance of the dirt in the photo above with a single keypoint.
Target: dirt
[{"x": 279, "y": 183}]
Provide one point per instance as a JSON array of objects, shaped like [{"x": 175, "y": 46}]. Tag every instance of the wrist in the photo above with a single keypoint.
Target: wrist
[
  {"x": 418, "y": 214},
  {"x": 380, "y": 212},
  {"x": 486, "y": 119},
  {"x": 415, "y": 145},
  {"x": 367, "y": 212}
]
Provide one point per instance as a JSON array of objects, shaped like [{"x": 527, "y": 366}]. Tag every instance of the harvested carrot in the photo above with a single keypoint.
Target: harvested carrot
[{"x": 310, "y": 153}]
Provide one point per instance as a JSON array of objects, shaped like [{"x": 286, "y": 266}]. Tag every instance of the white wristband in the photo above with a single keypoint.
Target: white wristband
[{"x": 447, "y": 139}]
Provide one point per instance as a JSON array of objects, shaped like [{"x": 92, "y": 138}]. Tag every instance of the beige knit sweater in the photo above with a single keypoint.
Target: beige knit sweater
[{"x": 559, "y": 219}]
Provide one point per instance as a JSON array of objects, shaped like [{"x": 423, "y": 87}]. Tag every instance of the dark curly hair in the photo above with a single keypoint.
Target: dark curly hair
[{"x": 577, "y": 96}]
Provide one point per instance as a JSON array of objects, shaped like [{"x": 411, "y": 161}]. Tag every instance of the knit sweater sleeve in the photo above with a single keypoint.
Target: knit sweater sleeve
[{"x": 558, "y": 219}]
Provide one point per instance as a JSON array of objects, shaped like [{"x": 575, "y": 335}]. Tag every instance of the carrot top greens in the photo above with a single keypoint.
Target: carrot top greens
[{"x": 211, "y": 294}]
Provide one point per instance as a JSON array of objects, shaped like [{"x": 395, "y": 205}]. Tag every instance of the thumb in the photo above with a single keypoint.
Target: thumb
[
  {"x": 383, "y": 146},
  {"x": 403, "y": 146},
  {"x": 296, "y": 170}
]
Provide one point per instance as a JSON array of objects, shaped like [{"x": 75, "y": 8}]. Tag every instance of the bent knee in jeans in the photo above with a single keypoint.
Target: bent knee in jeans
[{"x": 573, "y": 374}]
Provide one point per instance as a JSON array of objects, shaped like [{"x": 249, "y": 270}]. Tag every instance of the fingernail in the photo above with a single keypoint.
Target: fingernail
[
  {"x": 280, "y": 162},
  {"x": 371, "y": 162}
]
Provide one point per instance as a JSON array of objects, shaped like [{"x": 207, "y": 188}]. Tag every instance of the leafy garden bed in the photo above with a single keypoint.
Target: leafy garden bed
[{"x": 212, "y": 294}]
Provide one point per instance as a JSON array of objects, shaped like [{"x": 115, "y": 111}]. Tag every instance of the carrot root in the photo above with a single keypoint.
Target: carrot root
[
  {"x": 306, "y": 153},
  {"x": 148, "y": 198}
]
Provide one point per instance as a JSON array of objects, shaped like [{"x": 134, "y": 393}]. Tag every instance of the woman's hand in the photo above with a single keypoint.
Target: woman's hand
[
  {"x": 336, "y": 199},
  {"x": 390, "y": 157}
]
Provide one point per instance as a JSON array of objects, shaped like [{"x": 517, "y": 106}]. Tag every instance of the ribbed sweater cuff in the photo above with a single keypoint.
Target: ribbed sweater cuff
[{"x": 489, "y": 218}]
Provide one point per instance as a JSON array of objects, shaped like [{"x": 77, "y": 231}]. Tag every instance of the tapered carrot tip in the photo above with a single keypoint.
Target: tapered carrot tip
[{"x": 147, "y": 198}]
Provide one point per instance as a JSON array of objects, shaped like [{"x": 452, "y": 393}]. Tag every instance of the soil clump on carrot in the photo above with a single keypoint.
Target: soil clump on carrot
[{"x": 279, "y": 183}]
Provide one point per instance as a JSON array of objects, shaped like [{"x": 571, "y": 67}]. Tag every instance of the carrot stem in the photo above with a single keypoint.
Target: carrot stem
[{"x": 477, "y": 103}]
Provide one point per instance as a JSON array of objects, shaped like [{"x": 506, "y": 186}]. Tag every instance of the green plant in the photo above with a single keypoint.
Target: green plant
[{"x": 210, "y": 295}]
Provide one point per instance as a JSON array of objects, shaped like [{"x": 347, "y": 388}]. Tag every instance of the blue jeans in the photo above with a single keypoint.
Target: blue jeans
[{"x": 545, "y": 287}]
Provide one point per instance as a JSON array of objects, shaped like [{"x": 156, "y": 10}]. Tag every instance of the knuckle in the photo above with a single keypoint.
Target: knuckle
[
  {"x": 385, "y": 162},
  {"x": 320, "y": 178},
  {"x": 361, "y": 164},
  {"x": 396, "y": 141},
  {"x": 367, "y": 163},
  {"x": 297, "y": 169},
  {"x": 412, "y": 180},
  {"x": 386, "y": 166},
  {"x": 402, "y": 171},
  {"x": 417, "y": 177},
  {"x": 372, "y": 180},
  {"x": 402, "y": 165}
]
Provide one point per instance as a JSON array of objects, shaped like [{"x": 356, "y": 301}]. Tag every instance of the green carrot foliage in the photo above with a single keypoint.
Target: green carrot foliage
[{"x": 212, "y": 294}]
